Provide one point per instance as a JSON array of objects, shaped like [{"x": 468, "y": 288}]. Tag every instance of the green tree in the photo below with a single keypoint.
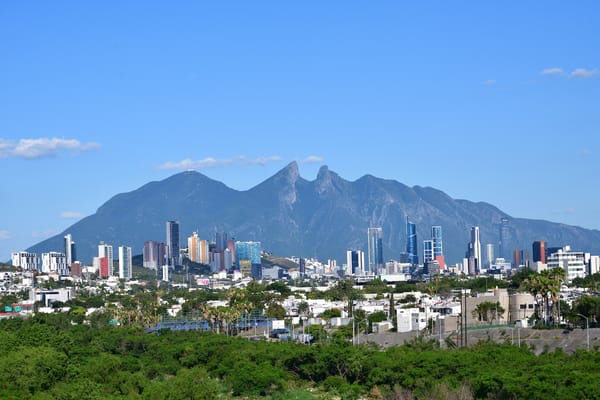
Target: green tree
[
  {"x": 373, "y": 318},
  {"x": 488, "y": 311},
  {"x": 331, "y": 313}
]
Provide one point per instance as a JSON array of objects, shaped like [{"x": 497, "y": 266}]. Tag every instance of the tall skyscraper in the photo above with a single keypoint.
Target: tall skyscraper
[
  {"x": 221, "y": 241},
  {"x": 355, "y": 262},
  {"x": 503, "y": 238},
  {"x": 193, "y": 245},
  {"x": 106, "y": 250},
  {"x": 539, "y": 251},
  {"x": 475, "y": 250},
  {"x": 427, "y": 251},
  {"x": 70, "y": 254},
  {"x": 489, "y": 255},
  {"x": 436, "y": 237},
  {"x": 411, "y": 242},
  {"x": 375, "y": 251},
  {"x": 173, "y": 243},
  {"x": 125, "y": 263},
  {"x": 155, "y": 255},
  {"x": 517, "y": 258}
]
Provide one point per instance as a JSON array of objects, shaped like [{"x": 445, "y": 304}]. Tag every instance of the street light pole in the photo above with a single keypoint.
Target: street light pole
[{"x": 587, "y": 330}]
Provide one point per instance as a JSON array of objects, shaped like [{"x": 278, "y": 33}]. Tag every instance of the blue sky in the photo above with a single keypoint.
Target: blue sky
[{"x": 486, "y": 101}]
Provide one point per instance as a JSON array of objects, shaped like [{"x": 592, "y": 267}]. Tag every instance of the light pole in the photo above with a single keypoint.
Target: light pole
[{"x": 587, "y": 330}]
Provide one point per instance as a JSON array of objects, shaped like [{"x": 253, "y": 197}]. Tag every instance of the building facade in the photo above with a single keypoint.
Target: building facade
[
  {"x": 172, "y": 228},
  {"x": 355, "y": 262},
  {"x": 474, "y": 252},
  {"x": 106, "y": 251},
  {"x": 573, "y": 262},
  {"x": 155, "y": 255},
  {"x": 248, "y": 251},
  {"x": 375, "y": 250},
  {"x": 55, "y": 262},
  {"x": 411, "y": 242},
  {"x": 539, "y": 251},
  {"x": 70, "y": 252},
  {"x": 125, "y": 263},
  {"x": 26, "y": 260},
  {"x": 436, "y": 237}
]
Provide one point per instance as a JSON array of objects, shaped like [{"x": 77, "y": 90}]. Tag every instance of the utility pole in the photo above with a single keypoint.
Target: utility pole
[{"x": 587, "y": 330}]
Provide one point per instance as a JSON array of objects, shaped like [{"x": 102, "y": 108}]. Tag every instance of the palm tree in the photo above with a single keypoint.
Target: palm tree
[
  {"x": 533, "y": 286},
  {"x": 556, "y": 276}
]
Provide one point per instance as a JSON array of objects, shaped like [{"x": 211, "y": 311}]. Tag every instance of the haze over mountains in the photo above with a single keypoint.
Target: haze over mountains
[{"x": 292, "y": 216}]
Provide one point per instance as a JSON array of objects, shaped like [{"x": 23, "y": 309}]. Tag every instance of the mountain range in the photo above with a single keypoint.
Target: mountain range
[{"x": 322, "y": 218}]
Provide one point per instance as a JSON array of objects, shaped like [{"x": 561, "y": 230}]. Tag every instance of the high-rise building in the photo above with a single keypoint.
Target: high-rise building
[
  {"x": 193, "y": 244},
  {"x": 70, "y": 254},
  {"x": 248, "y": 251},
  {"x": 106, "y": 250},
  {"x": 411, "y": 242},
  {"x": 55, "y": 262},
  {"x": 573, "y": 262},
  {"x": 539, "y": 251},
  {"x": 516, "y": 258},
  {"x": 427, "y": 251},
  {"x": 302, "y": 266},
  {"x": 503, "y": 238},
  {"x": 25, "y": 260},
  {"x": 173, "y": 243},
  {"x": 375, "y": 250},
  {"x": 355, "y": 262},
  {"x": 474, "y": 253},
  {"x": 125, "y": 263},
  {"x": 221, "y": 241},
  {"x": 155, "y": 255},
  {"x": 165, "y": 273},
  {"x": 489, "y": 255},
  {"x": 231, "y": 247},
  {"x": 101, "y": 265},
  {"x": 436, "y": 237}
]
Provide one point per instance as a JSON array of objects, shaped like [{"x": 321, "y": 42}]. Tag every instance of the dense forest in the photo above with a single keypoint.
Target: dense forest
[{"x": 47, "y": 357}]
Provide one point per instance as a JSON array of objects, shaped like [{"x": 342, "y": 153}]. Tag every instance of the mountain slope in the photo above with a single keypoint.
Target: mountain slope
[{"x": 292, "y": 216}]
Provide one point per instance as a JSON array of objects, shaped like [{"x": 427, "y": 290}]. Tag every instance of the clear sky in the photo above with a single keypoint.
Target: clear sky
[{"x": 487, "y": 101}]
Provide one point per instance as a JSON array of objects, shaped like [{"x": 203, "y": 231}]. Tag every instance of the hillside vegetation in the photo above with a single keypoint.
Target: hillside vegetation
[{"x": 46, "y": 357}]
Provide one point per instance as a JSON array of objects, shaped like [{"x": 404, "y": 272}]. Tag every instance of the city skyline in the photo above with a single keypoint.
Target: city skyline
[{"x": 505, "y": 96}]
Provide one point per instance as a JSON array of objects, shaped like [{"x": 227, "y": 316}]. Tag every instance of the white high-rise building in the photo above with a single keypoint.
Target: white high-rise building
[
  {"x": 573, "y": 262},
  {"x": 355, "y": 262},
  {"x": 25, "y": 260},
  {"x": 70, "y": 250},
  {"x": 106, "y": 250},
  {"x": 125, "y": 263},
  {"x": 475, "y": 248},
  {"x": 489, "y": 255},
  {"x": 55, "y": 262},
  {"x": 594, "y": 265}
]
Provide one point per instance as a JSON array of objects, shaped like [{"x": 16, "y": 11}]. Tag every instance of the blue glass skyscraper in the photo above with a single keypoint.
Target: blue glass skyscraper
[
  {"x": 436, "y": 237},
  {"x": 411, "y": 242}
]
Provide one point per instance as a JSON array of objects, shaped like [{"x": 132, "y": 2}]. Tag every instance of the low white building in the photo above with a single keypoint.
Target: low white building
[
  {"x": 47, "y": 297},
  {"x": 410, "y": 319}
]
